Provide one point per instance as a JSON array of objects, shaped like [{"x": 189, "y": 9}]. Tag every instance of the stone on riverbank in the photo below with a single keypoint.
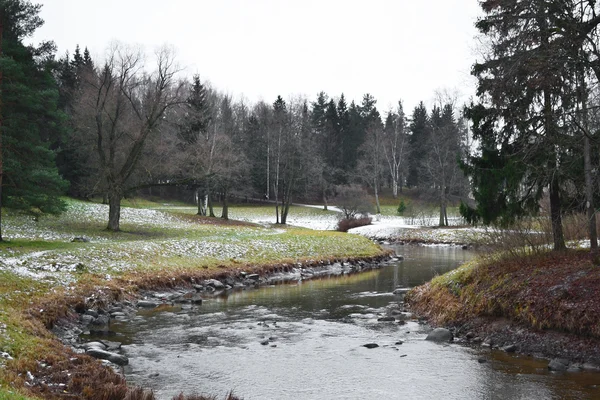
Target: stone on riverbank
[
  {"x": 107, "y": 355},
  {"x": 440, "y": 335},
  {"x": 147, "y": 304}
]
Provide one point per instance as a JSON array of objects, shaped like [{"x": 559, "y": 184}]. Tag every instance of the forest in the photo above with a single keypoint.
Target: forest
[{"x": 133, "y": 122}]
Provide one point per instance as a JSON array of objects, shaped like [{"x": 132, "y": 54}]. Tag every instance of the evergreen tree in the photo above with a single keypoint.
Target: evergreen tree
[
  {"x": 526, "y": 98},
  {"x": 29, "y": 179},
  {"x": 344, "y": 137},
  {"x": 419, "y": 128},
  {"x": 332, "y": 140},
  {"x": 354, "y": 137},
  {"x": 318, "y": 113}
]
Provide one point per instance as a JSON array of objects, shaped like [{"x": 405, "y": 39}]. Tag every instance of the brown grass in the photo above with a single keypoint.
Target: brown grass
[{"x": 555, "y": 290}]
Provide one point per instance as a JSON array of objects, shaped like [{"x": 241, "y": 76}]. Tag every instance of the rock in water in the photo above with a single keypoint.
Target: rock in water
[
  {"x": 107, "y": 355},
  {"x": 147, "y": 304},
  {"x": 370, "y": 345},
  {"x": 511, "y": 348},
  {"x": 440, "y": 335},
  {"x": 558, "y": 364}
]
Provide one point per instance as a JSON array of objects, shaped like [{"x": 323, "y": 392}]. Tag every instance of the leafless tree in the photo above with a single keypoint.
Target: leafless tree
[
  {"x": 120, "y": 107},
  {"x": 395, "y": 147},
  {"x": 370, "y": 165},
  {"x": 440, "y": 166}
]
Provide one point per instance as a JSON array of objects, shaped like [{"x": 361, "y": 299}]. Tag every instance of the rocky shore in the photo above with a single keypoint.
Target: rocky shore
[{"x": 94, "y": 319}]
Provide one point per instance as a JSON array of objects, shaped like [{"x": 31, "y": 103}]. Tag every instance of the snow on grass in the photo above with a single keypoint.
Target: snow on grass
[{"x": 43, "y": 249}]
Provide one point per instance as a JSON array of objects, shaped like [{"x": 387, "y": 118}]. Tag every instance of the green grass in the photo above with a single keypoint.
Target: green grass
[
  {"x": 12, "y": 394},
  {"x": 156, "y": 241}
]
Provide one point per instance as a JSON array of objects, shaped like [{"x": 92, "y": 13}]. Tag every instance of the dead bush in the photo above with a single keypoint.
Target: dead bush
[{"x": 348, "y": 223}]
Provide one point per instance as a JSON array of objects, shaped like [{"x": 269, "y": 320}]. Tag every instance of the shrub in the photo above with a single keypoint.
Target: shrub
[
  {"x": 348, "y": 223},
  {"x": 401, "y": 207},
  {"x": 353, "y": 201}
]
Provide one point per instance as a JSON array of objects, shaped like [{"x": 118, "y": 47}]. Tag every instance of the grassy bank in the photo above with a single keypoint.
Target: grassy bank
[
  {"x": 555, "y": 291},
  {"x": 44, "y": 274}
]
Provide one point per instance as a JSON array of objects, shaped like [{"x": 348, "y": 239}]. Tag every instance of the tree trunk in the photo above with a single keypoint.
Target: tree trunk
[
  {"x": 587, "y": 163},
  {"x": 324, "y": 201},
  {"x": 1, "y": 158},
  {"x": 114, "y": 211},
  {"x": 556, "y": 217},
  {"x": 276, "y": 204},
  {"x": 211, "y": 211},
  {"x": 443, "y": 202},
  {"x": 1, "y": 239},
  {"x": 225, "y": 212},
  {"x": 378, "y": 207},
  {"x": 589, "y": 193},
  {"x": 200, "y": 202}
]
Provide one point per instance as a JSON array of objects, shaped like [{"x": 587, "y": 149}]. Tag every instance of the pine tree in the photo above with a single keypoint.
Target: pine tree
[{"x": 29, "y": 179}]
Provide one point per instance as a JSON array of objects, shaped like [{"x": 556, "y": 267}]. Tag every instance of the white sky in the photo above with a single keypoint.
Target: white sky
[{"x": 393, "y": 49}]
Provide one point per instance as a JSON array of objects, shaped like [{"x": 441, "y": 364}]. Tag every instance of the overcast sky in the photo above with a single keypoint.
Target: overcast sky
[{"x": 393, "y": 49}]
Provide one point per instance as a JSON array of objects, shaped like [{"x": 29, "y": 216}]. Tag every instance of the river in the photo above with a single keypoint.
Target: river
[{"x": 305, "y": 341}]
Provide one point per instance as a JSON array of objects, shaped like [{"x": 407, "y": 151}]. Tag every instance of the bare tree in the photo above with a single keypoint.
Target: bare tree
[
  {"x": 440, "y": 166},
  {"x": 120, "y": 107},
  {"x": 370, "y": 165},
  {"x": 395, "y": 147}
]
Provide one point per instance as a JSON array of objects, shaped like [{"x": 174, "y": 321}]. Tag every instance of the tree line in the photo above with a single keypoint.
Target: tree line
[{"x": 106, "y": 128}]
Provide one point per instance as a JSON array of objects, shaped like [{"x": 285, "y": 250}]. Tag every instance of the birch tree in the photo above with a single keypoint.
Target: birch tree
[{"x": 395, "y": 147}]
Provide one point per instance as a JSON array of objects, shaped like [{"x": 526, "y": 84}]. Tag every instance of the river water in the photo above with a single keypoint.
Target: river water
[{"x": 315, "y": 332}]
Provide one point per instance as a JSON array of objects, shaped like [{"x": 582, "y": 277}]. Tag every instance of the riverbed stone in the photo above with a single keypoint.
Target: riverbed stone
[
  {"x": 107, "y": 355},
  {"x": 558, "y": 364},
  {"x": 102, "y": 320},
  {"x": 590, "y": 367},
  {"x": 118, "y": 315},
  {"x": 214, "y": 283},
  {"x": 370, "y": 345},
  {"x": 386, "y": 319},
  {"x": 93, "y": 313},
  {"x": 93, "y": 345},
  {"x": 147, "y": 304},
  {"x": 511, "y": 348},
  {"x": 111, "y": 346},
  {"x": 401, "y": 290},
  {"x": 440, "y": 335}
]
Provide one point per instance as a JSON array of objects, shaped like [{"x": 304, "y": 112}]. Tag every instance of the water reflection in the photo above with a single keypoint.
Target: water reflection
[{"x": 305, "y": 341}]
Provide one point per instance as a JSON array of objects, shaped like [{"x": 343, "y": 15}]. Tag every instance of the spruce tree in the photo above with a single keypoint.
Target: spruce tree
[
  {"x": 419, "y": 128},
  {"x": 29, "y": 179}
]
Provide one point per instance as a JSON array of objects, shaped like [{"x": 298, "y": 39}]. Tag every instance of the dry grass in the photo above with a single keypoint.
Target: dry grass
[{"x": 552, "y": 290}]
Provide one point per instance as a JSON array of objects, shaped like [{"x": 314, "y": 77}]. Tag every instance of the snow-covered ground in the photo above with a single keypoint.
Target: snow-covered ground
[{"x": 382, "y": 227}]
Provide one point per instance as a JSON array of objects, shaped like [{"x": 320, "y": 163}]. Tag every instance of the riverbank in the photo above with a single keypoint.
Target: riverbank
[
  {"x": 69, "y": 268},
  {"x": 543, "y": 305}
]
